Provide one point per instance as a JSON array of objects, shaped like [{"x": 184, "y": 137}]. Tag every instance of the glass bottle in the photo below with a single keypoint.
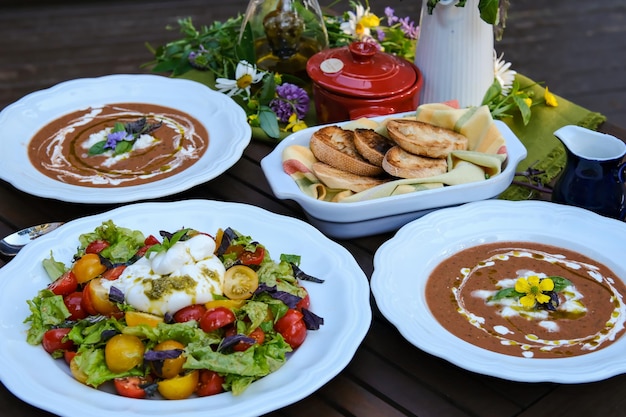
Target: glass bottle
[{"x": 286, "y": 34}]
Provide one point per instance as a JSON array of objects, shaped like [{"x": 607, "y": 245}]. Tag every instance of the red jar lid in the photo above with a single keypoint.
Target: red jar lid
[{"x": 361, "y": 70}]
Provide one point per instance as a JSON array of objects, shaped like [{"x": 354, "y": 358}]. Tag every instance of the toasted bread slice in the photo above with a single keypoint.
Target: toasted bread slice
[
  {"x": 425, "y": 139},
  {"x": 335, "y": 146},
  {"x": 403, "y": 164},
  {"x": 343, "y": 180},
  {"x": 372, "y": 145}
]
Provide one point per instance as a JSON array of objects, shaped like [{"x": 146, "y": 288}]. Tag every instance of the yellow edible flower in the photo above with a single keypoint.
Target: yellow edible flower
[
  {"x": 534, "y": 288},
  {"x": 295, "y": 124},
  {"x": 550, "y": 98}
]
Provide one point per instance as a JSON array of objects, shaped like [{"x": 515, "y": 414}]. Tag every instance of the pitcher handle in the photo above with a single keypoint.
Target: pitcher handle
[{"x": 621, "y": 172}]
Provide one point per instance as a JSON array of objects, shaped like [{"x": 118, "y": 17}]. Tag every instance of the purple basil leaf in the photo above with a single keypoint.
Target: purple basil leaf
[
  {"x": 160, "y": 355},
  {"x": 311, "y": 320},
  {"x": 299, "y": 274},
  {"x": 289, "y": 299},
  {"x": 107, "y": 334},
  {"x": 263, "y": 287},
  {"x": 116, "y": 295},
  {"x": 230, "y": 341}
]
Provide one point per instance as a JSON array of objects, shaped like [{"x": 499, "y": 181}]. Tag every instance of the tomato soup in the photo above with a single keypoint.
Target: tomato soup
[
  {"x": 61, "y": 149},
  {"x": 464, "y": 293}
]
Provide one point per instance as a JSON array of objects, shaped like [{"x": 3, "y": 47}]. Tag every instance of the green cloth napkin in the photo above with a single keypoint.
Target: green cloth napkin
[{"x": 545, "y": 151}]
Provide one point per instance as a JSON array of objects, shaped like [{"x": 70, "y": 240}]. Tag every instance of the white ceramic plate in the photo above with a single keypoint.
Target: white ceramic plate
[
  {"x": 347, "y": 220},
  {"x": 229, "y": 133},
  {"x": 342, "y": 300},
  {"x": 402, "y": 266}
]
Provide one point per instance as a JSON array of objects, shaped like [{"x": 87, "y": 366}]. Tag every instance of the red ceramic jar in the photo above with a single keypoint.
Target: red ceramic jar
[{"x": 360, "y": 81}]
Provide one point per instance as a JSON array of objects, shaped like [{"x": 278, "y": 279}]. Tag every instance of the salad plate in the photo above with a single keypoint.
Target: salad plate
[
  {"x": 225, "y": 121},
  {"x": 403, "y": 264},
  {"x": 342, "y": 301}
]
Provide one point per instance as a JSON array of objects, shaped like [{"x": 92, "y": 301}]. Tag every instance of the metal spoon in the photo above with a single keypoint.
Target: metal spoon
[{"x": 11, "y": 245}]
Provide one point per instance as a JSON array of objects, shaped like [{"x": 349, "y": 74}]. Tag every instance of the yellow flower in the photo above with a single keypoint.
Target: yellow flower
[
  {"x": 528, "y": 101},
  {"x": 534, "y": 289},
  {"x": 253, "y": 120},
  {"x": 294, "y": 124},
  {"x": 550, "y": 98},
  {"x": 370, "y": 20}
]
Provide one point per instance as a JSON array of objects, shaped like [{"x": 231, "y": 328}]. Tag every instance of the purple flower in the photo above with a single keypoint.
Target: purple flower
[
  {"x": 290, "y": 98},
  {"x": 391, "y": 17},
  {"x": 408, "y": 27},
  {"x": 115, "y": 137}
]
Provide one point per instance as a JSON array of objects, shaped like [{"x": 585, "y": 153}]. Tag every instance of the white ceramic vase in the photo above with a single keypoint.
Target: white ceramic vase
[{"x": 455, "y": 53}]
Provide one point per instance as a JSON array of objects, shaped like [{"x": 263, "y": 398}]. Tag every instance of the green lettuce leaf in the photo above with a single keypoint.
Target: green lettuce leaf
[{"x": 47, "y": 310}]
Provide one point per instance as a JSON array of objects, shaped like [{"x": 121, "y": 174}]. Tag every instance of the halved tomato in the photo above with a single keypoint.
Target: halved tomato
[{"x": 240, "y": 282}]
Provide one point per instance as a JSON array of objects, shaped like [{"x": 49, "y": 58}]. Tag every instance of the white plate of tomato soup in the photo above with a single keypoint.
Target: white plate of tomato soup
[
  {"x": 120, "y": 138},
  {"x": 342, "y": 301},
  {"x": 527, "y": 291}
]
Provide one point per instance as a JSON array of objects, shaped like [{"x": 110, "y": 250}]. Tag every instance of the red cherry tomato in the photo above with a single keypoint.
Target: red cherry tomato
[
  {"x": 147, "y": 243},
  {"x": 210, "y": 383},
  {"x": 68, "y": 355},
  {"x": 252, "y": 258},
  {"x": 131, "y": 386},
  {"x": 53, "y": 340},
  {"x": 74, "y": 303},
  {"x": 257, "y": 334},
  {"x": 216, "y": 318},
  {"x": 192, "y": 312},
  {"x": 65, "y": 284},
  {"x": 97, "y": 246},
  {"x": 305, "y": 302},
  {"x": 113, "y": 273},
  {"x": 291, "y": 326}
]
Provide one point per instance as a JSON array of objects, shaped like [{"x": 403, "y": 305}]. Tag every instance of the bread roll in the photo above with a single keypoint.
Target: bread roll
[
  {"x": 371, "y": 145},
  {"x": 335, "y": 146},
  {"x": 403, "y": 164},
  {"x": 343, "y": 180},
  {"x": 425, "y": 139}
]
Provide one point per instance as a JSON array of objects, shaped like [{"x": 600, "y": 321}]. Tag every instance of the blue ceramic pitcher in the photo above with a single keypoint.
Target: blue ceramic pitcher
[{"x": 594, "y": 174}]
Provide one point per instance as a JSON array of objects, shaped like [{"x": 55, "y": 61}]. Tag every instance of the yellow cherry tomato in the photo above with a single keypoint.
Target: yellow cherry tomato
[
  {"x": 135, "y": 318},
  {"x": 169, "y": 368},
  {"x": 179, "y": 387},
  {"x": 123, "y": 352},
  {"x": 240, "y": 282},
  {"x": 231, "y": 304},
  {"x": 87, "y": 267},
  {"x": 96, "y": 299},
  {"x": 77, "y": 373}
]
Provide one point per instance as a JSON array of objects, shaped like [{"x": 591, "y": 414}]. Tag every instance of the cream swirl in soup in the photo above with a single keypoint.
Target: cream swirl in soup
[
  {"x": 60, "y": 150},
  {"x": 586, "y": 313}
]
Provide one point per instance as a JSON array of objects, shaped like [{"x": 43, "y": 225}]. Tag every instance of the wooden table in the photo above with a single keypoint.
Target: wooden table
[{"x": 388, "y": 376}]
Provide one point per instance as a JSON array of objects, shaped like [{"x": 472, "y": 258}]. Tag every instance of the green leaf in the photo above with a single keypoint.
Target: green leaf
[
  {"x": 53, "y": 268},
  {"x": 493, "y": 92},
  {"x": 245, "y": 49},
  {"x": 269, "y": 123},
  {"x": 506, "y": 293},
  {"x": 123, "y": 146},
  {"x": 523, "y": 108},
  {"x": 489, "y": 10},
  {"x": 118, "y": 127},
  {"x": 560, "y": 283},
  {"x": 97, "y": 148}
]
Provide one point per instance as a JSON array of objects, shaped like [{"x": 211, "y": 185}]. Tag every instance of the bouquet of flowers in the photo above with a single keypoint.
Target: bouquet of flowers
[{"x": 279, "y": 104}]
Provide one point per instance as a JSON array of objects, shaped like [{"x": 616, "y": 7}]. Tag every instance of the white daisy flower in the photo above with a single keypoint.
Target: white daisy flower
[
  {"x": 245, "y": 75},
  {"x": 503, "y": 73},
  {"x": 360, "y": 22}
]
